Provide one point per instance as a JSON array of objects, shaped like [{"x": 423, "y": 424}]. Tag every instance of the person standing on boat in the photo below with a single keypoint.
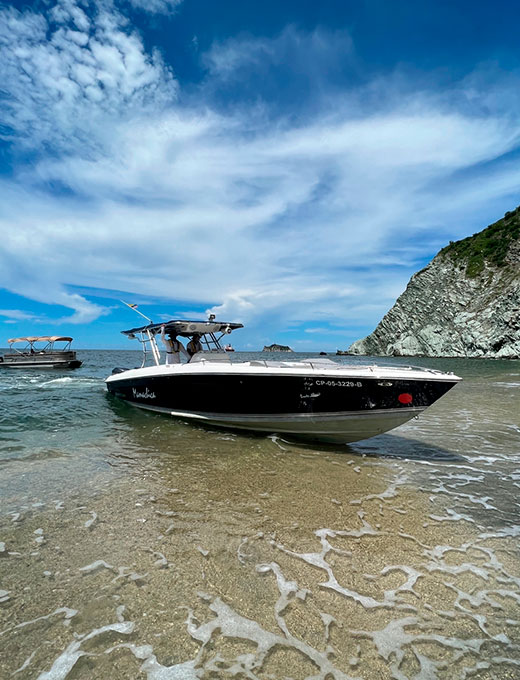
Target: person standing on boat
[
  {"x": 174, "y": 348},
  {"x": 194, "y": 345}
]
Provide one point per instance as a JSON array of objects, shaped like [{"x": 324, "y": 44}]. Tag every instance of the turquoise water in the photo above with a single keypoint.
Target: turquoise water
[{"x": 137, "y": 546}]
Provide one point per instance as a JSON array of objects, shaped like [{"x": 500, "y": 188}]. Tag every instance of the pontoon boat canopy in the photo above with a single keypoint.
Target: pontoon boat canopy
[
  {"x": 186, "y": 328},
  {"x": 43, "y": 338}
]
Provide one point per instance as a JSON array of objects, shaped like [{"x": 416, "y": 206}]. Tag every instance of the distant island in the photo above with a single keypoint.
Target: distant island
[
  {"x": 277, "y": 348},
  {"x": 465, "y": 303}
]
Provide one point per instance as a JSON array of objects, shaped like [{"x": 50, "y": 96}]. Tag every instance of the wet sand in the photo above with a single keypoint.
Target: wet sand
[{"x": 251, "y": 557}]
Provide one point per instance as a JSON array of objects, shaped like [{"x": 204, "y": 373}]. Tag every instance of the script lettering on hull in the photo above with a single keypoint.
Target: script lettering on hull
[{"x": 143, "y": 395}]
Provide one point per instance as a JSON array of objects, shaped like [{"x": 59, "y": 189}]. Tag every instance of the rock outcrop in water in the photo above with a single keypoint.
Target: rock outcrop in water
[
  {"x": 466, "y": 302},
  {"x": 277, "y": 348}
]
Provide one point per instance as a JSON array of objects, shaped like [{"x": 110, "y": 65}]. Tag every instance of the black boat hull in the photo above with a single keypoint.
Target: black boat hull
[{"x": 313, "y": 406}]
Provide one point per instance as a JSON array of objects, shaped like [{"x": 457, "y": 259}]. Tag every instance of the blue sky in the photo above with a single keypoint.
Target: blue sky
[{"x": 288, "y": 165}]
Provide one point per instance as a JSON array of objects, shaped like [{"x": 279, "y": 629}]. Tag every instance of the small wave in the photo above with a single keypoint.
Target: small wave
[
  {"x": 39, "y": 455},
  {"x": 24, "y": 383},
  {"x": 59, "y": 380},
  {"x": 18, "y": 382},
  {"x": 73, "y": 382}
]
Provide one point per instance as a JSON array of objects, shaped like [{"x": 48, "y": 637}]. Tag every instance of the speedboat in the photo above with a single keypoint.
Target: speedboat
[
  {"x": 316, "y": 399},
  {"x": 40, "y": 352}
]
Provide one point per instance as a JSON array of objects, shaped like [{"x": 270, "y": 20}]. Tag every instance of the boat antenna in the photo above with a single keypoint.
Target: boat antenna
[{"x": 134, "y": 307}]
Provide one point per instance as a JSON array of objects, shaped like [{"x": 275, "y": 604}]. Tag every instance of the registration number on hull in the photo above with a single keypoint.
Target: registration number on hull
[{"x": 338, "y": 383}]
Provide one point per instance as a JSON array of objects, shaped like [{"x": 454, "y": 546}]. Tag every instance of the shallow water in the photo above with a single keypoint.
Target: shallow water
[{"x": 136, "y": 546}]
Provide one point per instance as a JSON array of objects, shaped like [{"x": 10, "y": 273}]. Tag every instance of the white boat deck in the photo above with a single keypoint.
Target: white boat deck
[{"x": 217, "y": 364}]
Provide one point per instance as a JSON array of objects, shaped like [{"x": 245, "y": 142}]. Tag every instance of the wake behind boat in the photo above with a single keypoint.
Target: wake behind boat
[
  {"x": 40, "y": 352},
  {"x": 314, "y": 398}
]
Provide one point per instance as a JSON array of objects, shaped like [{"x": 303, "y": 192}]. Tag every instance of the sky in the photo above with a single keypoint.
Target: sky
[{"x": 287, "y": 165}]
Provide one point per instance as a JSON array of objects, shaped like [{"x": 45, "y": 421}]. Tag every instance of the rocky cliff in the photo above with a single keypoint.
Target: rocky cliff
[{"x": 466, "y": 302}]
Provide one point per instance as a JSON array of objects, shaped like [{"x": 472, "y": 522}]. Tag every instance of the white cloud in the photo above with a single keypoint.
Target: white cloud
[
  {"x": 310, "y": 54},
  {"x": 17, "y": 315},
  {"x": 68, "y": 79},
  {"x": 272, "y": 221},
  {"x": 156, "y": 6}
]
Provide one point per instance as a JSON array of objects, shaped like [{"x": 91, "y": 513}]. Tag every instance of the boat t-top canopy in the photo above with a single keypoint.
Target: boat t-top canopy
[
  {"x": 41, "y": 338},
  {"x": 210, "y": 332},
  {"x": 185, "y": 328}
]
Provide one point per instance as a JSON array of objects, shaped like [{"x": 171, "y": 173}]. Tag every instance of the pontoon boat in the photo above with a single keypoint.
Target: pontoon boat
[{"x": 40, "y": 352}]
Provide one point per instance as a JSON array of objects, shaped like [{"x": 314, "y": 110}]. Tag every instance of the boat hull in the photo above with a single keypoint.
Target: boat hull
[
  {"x": 326, "y": 427},
  {"x": 333, "y": 408},
  {"x": 38, "y": 362}
]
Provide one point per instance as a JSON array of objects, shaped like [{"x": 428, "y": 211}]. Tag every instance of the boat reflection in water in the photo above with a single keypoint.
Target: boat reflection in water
[
  {"x": 40, "y": 352},
  {"x": 316, "y": 399}
]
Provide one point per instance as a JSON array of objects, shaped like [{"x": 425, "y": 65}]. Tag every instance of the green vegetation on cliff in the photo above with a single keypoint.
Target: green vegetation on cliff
[{"x": 490, "y": 245}]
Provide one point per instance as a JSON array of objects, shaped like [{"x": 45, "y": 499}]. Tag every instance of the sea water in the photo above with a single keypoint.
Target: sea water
[{"x": 133, "y": 545}]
